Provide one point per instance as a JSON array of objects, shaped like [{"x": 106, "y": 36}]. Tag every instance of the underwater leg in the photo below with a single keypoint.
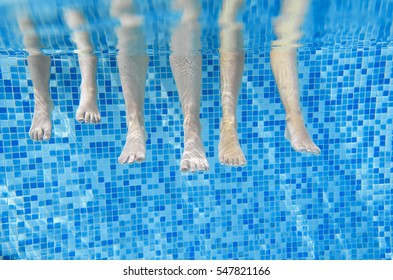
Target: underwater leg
[
  {"x": 133, "y": 71},
  {"x": 187, "y": 71},
  {"x": 283, "y": 63},
  {"x": 39, "y": 68}
]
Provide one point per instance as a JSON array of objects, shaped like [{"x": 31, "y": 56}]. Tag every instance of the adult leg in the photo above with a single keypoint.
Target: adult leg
[
  {"x": 231, "y": 72},
  {"x": 187, "y": 73},
  {"x": 133, "y": 78},
  {"x": 132, "y": 62},
  {"x": 284, "y": 66},
  {"x": 186, "y": 64}
]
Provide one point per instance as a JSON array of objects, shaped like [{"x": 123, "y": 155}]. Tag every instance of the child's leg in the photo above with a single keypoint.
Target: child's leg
[
  {"x": 88, "y": 109},
  {"x": 39, "y": 68}
]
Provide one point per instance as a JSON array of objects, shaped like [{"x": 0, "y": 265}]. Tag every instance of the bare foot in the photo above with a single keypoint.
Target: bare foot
[
  {"x": 296, "y": 133},
  {"x": 88, "y": 111},
  {"x": 229, "y": 151},
  {"x": 194, "y": 158},
  {"x": 41, "y": 127},
  {"x": 135, "y": 148}
]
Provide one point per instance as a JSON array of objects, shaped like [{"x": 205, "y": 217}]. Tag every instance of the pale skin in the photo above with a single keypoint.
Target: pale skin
[
  {"x": 132, "y": 62},
  {"x": 186, "y": 67},
  {"x": 231, "y": 72},
  {"x": 186, "y": 64},
  {"x": 87, "y": 110},
  {"x": 284, "y": 66},
  {"x": 39, "y": 68},
  {"x": 133, "y": 84}
]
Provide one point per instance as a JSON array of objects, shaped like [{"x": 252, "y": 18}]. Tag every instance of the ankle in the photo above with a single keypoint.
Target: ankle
[
  {"x": 45, "y": 105},
  {"x": 294, "y": 116},
  {"x": 135, "y": 120},
  {"x": 228, "y": 122},
  {"x": 88, "y": 90},
  {"x": 192, "y": 120}
]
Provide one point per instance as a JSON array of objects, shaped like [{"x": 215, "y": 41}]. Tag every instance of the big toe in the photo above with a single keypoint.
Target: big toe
[
  {"x": 47, "y": 133},
  {"x": 80, "y": 116},
  {"x": 185, "y": 165},
  {"x": 140, "y": 157}
]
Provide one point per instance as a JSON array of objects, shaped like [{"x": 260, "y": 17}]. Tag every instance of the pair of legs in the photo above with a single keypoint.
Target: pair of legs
[
  {"x": 39, "y": 67},
  {"x": 283, "y": 62},
  {"x": 186, "y": 67},
  {"x": 186, "y": 64}
]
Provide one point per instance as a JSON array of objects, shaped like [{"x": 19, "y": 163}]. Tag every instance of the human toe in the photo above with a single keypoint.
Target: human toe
[
  {"x": 47, "y": 133},
  {"x": 88, "y": 117},
  {"x": 80, "y": 116},
  {"x": 131, "y": 159},
  {"x": 299, "y": 147},
  {"x": 184, "y": 165},
  {"x": 123, "y": 159},
  {"x": 314, "y": 150},
  {"x": 140, "y": 157},
  {"x": 97, "y": 118}
]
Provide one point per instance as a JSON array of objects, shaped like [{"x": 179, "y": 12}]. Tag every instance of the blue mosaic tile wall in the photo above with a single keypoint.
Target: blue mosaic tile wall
[{"x": 69, "y": 198}]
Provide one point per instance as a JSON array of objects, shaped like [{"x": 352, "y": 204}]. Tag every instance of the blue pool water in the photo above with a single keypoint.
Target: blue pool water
[{"x": 68, "y": 198}]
